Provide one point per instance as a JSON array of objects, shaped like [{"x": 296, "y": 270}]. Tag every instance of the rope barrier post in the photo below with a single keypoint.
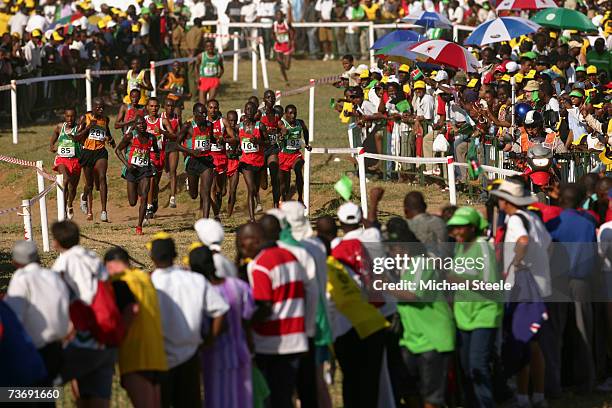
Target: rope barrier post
[
  {"x": 153, "y": 79},
  {"x": 363, "y": 191},
  {"x": 455, "y": 35},
  {"x": 236, "y": 58},
  {"x": 218, "y": 39},
  {"x": 254, "y": 67},
  {"x": 371, "y": 40},
  {"x": 43, "y": 207},
  {"x": 264, "y": 63},
  {"x": 27, "y": 220},
  {"x": 452, "y": 190},
  {"x": 88, "y": 90},
  {"x": 277, "y": 95},
  {"x": 311, "y": 110},
  {"x": 307, "y": 180},
  {"x": 15, "y": 125},
  {"x": 61, "y": 199}
]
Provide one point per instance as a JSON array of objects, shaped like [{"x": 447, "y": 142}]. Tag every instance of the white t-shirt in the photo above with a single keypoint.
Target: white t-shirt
[
  {"x": 424, "y": 106},
  {"x": 36, "y": 22},
  {"x": 325, "y": 8},
  {"x": 17, "y": 23},
  {"x": 536, "y": 258}
]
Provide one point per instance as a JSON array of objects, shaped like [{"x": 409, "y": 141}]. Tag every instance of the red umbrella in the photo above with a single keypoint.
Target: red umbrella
[
  {"x": 445, "y": 53},
  {"x": 525, "y": 4}
]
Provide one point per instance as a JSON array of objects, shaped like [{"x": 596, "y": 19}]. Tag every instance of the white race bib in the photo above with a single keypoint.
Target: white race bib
[
  {"x": 248, "y": 147},
  {"x": 282, "y": 37},
  {"x": 293, "y": 144},
  {"x": 211, "y": 70},
  {"x": 66, "y": 151},
  {"x": 216, "y": 147},
  {"x": 202, "y": 144},
  {"x": 140, "y": 158},
  {"x": 97, "y": 133}
]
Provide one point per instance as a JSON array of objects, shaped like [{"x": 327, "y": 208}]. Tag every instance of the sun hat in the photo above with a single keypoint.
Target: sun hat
[{"x": 514, "y": 193}]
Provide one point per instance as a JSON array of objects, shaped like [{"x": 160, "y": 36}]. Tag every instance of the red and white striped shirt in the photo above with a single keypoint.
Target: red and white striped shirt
[{"x": 276, "y": 276}]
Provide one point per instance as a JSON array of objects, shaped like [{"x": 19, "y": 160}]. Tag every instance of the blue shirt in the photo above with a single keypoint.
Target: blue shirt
[{"x": 576, "y": 255}]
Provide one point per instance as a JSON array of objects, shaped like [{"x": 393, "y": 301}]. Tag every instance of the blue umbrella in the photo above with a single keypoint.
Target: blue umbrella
[
  {"x": 405, "y": 36},
  {"x": 429, "y": 19},
  {"x": 501, "y": 29}
]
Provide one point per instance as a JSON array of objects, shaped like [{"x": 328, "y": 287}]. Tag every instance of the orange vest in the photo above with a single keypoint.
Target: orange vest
[{"x": 526, "y": 143}]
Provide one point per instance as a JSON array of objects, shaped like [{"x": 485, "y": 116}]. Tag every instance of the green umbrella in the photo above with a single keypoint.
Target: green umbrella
[
  {"x": 397, "y": 52},
  {"x": 564, "y": 19}
]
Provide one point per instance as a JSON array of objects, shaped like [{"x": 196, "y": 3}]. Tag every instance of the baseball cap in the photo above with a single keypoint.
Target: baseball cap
[
  {"x": 349, "y": 213},
  {"x": 580, "y": 68},
  {"x": 473, "y": 82},
  {"x": 575, "y": 44},
  {"x": 529, "y": 55},
  {"x": 364, "y": 74},
  {"x": 511, "y": 67},
  {"x": 210, "y": 232},
  {"x": 404, "y": 68},
  {"x": 576, "y": 93},
  {"x": 56, "y": 36},
  {"x": 531, "y": 117},
  {"x": 441, "y": 76},
  {"x": 467, "y": 216},
  {"x": 25, "y": 252},
  {"x": 419, "y": 85},
  {"x": 591, "y": 69},
  {"x": 36, "y": 33}
]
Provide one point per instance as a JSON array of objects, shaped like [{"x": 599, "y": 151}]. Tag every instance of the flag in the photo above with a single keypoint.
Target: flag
[
  {"x": 344, "y": 187},
  {"x": 474, "y": 169},
  {"x": 403, "y": 106},
  {"x": 416, "y": 74}
]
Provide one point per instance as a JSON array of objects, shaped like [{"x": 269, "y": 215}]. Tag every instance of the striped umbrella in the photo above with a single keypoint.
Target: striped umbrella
[
  {"x": 525, "y": 4},
  {"x": 397, "y": 52},
  {"x": 429, "y": 19},
  {"x": 501, "y": 29},
  {"x": 445, "y": 53},
  {"x": 396, "y": 37}
]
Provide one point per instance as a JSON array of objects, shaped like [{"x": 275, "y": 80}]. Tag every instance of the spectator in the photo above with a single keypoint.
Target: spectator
[
  {"x": 600, "y": 57},
  {"x": 429, "y": 229},
  {"x": 19, "y": 21},
  {"x": 211, "y": 234},
  {"x": 39, "y": 299},
  {"x": 324, "y": 10}
]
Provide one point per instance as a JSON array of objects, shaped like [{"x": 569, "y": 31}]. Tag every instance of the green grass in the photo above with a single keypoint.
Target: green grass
[{"x": 18, "y": 183}]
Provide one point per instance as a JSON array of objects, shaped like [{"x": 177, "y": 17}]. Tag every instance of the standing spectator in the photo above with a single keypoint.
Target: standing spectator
[
  {"x": 234, "y": 11},
  {"x": 227, "y": 362},
  {"x": 211, "y": 234},
  {"x": 324, "y": 10},
  {"x": 86, "y": 360},
  {"x": 142, "y": 360},
  {"x": 179, "y": 47},
  {"x": 424, "y": 110},
  {"x": 429, "y": 229},
  {"x": 354, "y": 12},
  {"x": 574, "y": 262},
  {"x": 265, "y": 14},
  {"x": 372, "y": 14},
  {"x": 194, "y": 44},
  {"x": 599, "y": 56},
  {"x": 310, "y": 16},
  {"x": 18, "y": 21},
  {"x": 186, "y": 301},
  {"x": 283, "y": 301},
  {"x": 39, "y": 298},
  {"x": 339, "y": 15}
]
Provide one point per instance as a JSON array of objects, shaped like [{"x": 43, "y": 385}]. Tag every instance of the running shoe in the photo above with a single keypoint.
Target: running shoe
[
  {"x": 149, "y": 214},
  {"x": 83, "y": 204},
  {"x": 172, "y": 202},
  {"x": 104, "y": 216},
  {"x": 70, "y": 213},
  {"x": 90, "y": 217},
  {"x": 138, "y": 230}
]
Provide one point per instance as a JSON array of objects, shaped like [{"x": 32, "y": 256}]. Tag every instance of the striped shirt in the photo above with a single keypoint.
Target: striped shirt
[{"x": 277, "y": 277}]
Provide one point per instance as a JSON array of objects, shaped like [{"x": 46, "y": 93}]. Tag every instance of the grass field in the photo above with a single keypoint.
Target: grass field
[{"x": 19, "y": 183}]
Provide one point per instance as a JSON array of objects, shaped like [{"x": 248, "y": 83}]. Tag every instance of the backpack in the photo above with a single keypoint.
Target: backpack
[{"x": 102, "y": 318}]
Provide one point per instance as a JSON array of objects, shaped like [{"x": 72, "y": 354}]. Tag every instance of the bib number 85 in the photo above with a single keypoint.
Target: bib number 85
[{"x": 66, "y": 151}]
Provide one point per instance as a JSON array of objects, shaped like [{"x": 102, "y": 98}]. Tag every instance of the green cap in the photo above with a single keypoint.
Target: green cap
[
  {"x": 529, "y": 54},
  {"x": 467, "y": 216},
  {"x": 581, "y": 68},
  {"x": 577, "y": 94},
  {"x": 344, "y": 187}
]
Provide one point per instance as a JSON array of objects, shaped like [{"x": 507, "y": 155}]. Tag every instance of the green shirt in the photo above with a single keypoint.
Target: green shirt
[
  {"x": 474, "y": 314},
  {"x": 427, "y": 325},
  {"x": 66, "y": 145},
  {"x": 293, "y": 139},
  {"x": 603, "y": 62}
]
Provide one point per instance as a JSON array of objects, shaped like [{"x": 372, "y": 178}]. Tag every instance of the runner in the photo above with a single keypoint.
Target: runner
[
  {"x": 290, "y": 157},
  {"x": 68, "y": 150},
  {"x": 94, "y": 133},
  {"x": 253, "y": 141},
  {"x": 270, "y": 118},
  {"x": 155, "y": 127},
  {"x": 211, "y": 70},
  {"x": 218, "y": 153},
  {"x": 195, "y": 139},
  {"x": 172, "y": 122},
  {"x": 284, "y": 43},
  {"x": 138, "y": 78},
  {"x": 233, "y": 161},
  {"x": 134, "y": 151},
  {"x": 128, "y": 111},
  {"x": 173, "y": 84}
]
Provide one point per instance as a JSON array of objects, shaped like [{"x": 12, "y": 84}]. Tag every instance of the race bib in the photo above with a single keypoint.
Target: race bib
[
  {"x": 140, "y": 158},
  {"x": 97, "y": 133},
  {"x": 293, "y": 144},
  {"x": 177, "y": 89},
  {"x": 282, "y": 37},
  {"x": 211, "y": 69},
  {"x": 272, "y": 137},
  {"x": 248, "y": 147},
  {"x": 202, "y": 144},
  {"x": 216, "y": 147},
  {"x": 66, "y": 151}
]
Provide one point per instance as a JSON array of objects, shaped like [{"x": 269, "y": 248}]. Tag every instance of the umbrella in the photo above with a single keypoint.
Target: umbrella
[
  {"x": 445, "y": 53},
  {"x": 397, "y": 36},
  {"x": 429, "y": 19},
  {"x": 525, "y": 4},
  {"x": 564, "y": 19},
  {"x": 398, "y": 52},
  {"x": 501, "y": 29}
]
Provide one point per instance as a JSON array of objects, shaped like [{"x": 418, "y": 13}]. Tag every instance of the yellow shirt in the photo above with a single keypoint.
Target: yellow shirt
[
  {"x": 143, "y": 346},
  {"x": 4, "y": 19},
  {"x": 371, "y": 11}
]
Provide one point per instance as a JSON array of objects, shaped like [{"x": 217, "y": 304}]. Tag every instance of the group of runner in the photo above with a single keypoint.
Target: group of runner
[{"x": 216, "y": 149}]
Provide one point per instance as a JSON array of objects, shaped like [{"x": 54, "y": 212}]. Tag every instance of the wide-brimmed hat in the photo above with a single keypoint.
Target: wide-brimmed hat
[{"x": 514, "y": 193}]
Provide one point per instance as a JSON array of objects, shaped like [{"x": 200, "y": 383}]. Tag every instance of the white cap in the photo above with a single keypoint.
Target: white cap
[
  {"x": 511, "y": 67},
  {"x": 349, "y": 213},
  {"x": 295, "y": 213},
  {"x": 376, "y": 70},
  {"x": 441, "y": 75},
  {"x": 393, "y": 78},
  {"x": 210, "y": 232},
  {"x": 361, "y": 68}
]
